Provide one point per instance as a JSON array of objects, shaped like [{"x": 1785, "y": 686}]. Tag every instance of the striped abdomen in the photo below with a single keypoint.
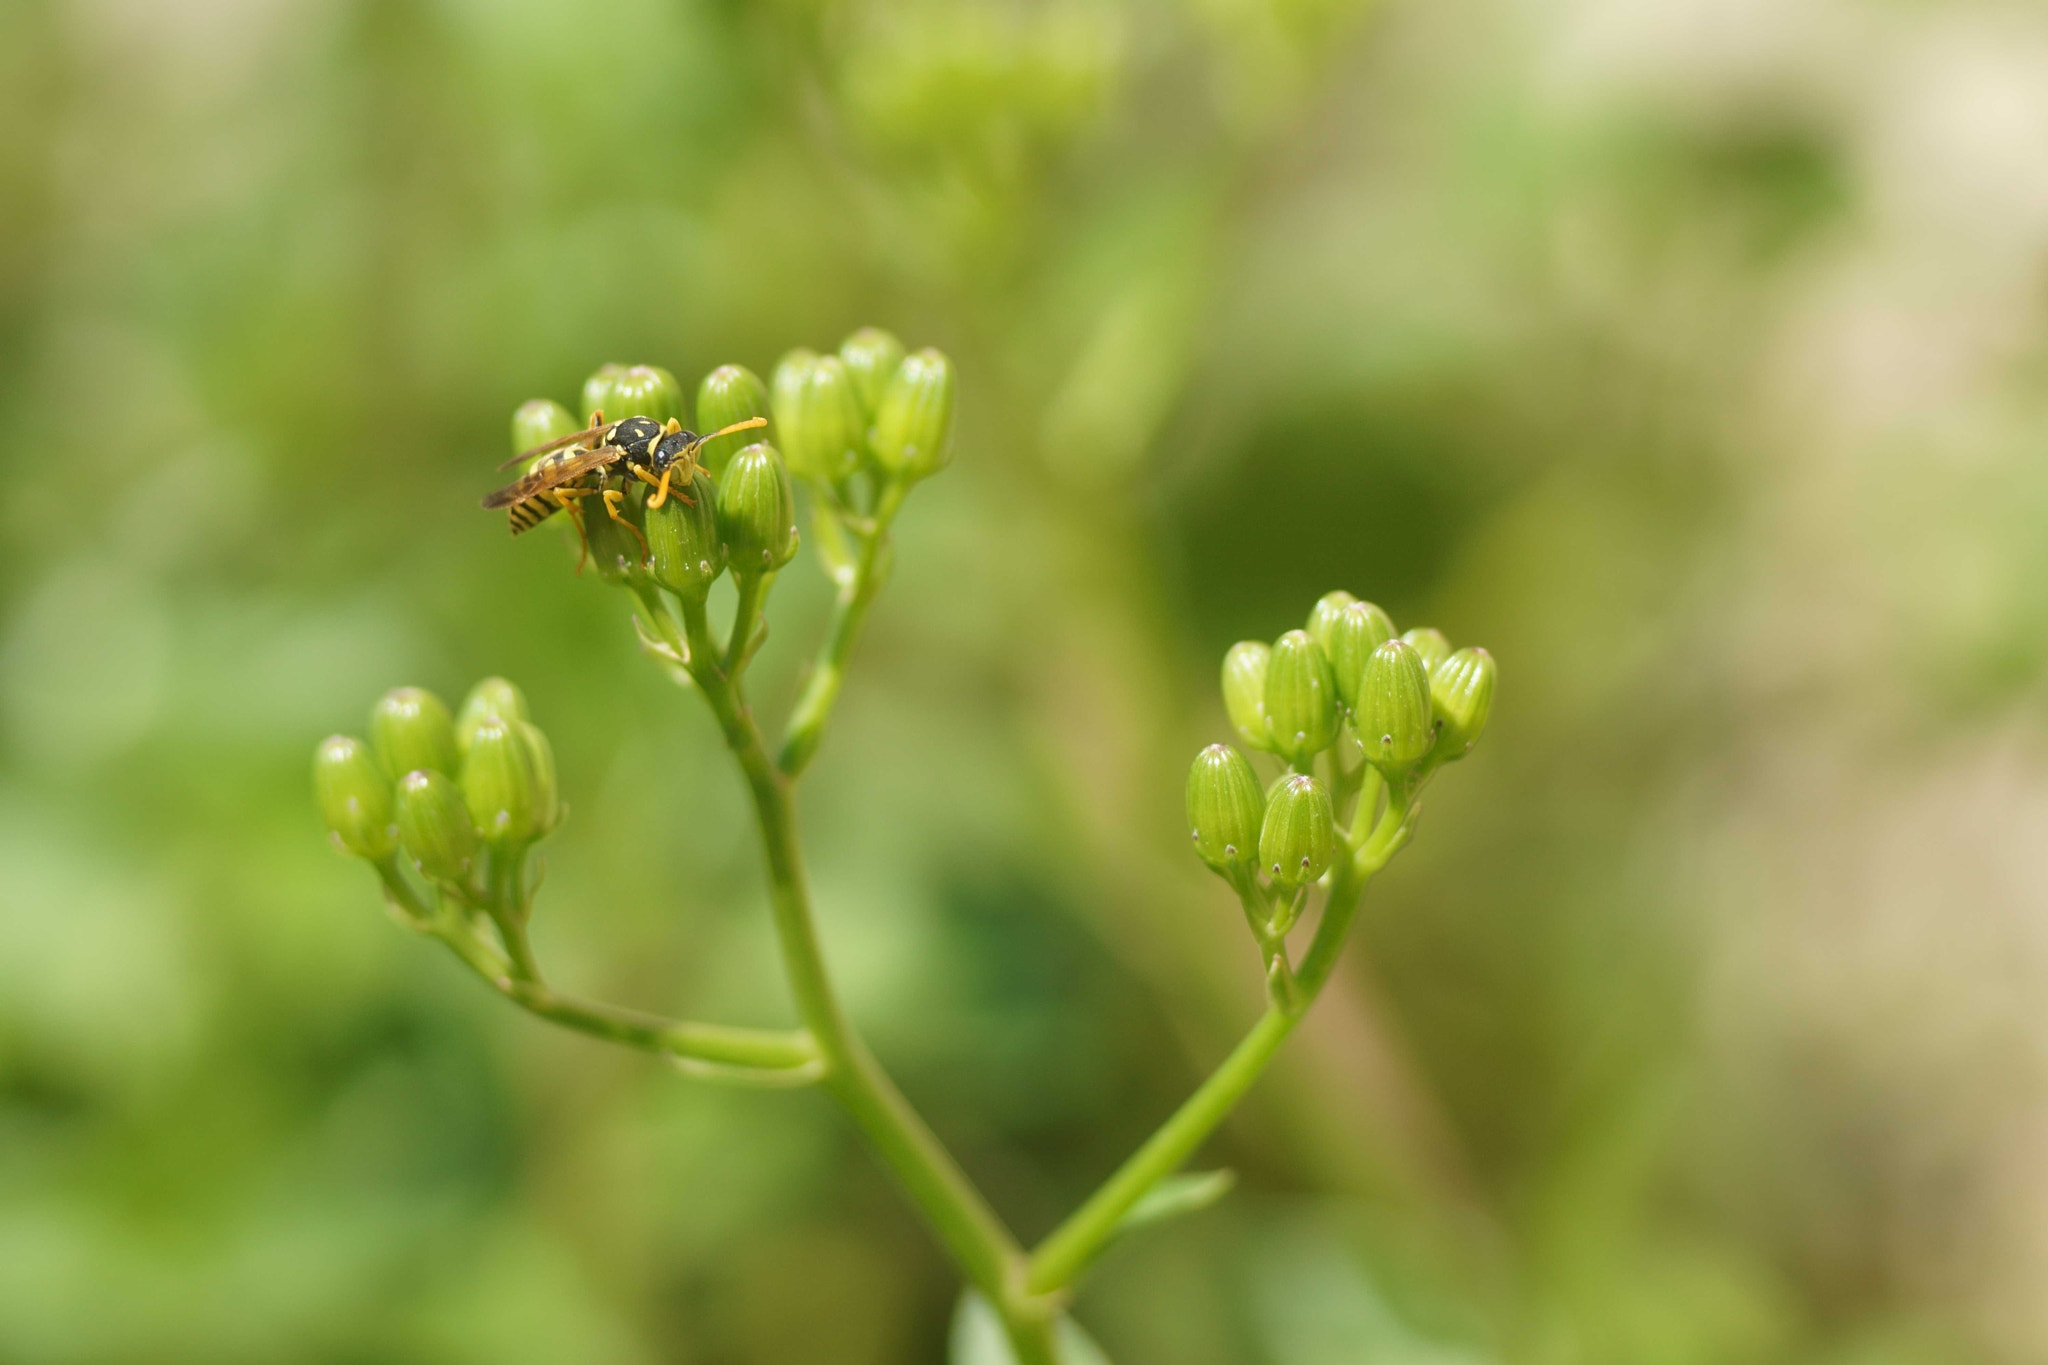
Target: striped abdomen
[{"x": 530, "y": 513}]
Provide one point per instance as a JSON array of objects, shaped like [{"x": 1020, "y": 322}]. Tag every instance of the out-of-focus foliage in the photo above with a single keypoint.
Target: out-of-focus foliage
[{"x": 1690, "y": 355}]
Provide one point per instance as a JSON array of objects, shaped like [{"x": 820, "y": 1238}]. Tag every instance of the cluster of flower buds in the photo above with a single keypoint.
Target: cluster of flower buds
[
  {"x": 1345, "y": 685},
  {"x": 440, "y": 786},
  {"x": 853, "y": 423}
]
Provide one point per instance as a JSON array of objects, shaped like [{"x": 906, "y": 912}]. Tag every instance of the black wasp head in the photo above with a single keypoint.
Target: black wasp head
[{"x": 671, "y": 449}]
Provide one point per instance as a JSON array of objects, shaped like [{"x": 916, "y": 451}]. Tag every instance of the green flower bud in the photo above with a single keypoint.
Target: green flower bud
[
  {"x": 1299, "y": 832},
  {"x": 354, "y": 795},
  {"x": 538, "y": 421},
  {"x": 1225, "y": 807},
  {"x": 597, "y": 392},
  {"x": 1393, "y": 716},
  {"x": 434, "y": 826},
  {"x": 1430, "y": 643},
  {"x": 1353, "y": 634},
  {"x": 729, "y": 394},
  {"x": 817, "y": 416},
  {"x": 644, "y": 391},
  {"x": 757, "y": 511},
  {"x": 688, "y": 553},
  {"x": 411, "y": 729},
  {"x": 1325, "y": 613},
  {"x": 1301, "y": 698},
  {"x": 1461, "y": 692},
  {"x": 913, "y": 433},
  {"x": 871, "y": 357},
  {"x": 490, "y": 699},
  {"x": 508, "y": 782},
  {"x": 616, "y": 553},
  {"x": 1244, "y": 691}
]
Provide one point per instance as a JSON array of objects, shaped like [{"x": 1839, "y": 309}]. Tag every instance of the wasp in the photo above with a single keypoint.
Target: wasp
[{"x": 562, "y": 472}]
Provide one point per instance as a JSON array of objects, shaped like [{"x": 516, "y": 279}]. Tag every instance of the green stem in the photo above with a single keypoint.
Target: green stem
[
  {"x": 963, "y": 1220},
  {"x": 807, "y": 722},
  {"x": 746, "y": 615},
  {"x": 1075, "y": 1242}
]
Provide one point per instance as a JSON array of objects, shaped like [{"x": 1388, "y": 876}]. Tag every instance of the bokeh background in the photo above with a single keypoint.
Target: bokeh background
[{"x": 1689, "y": 354}]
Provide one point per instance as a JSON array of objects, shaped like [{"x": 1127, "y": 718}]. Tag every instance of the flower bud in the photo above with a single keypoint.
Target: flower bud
[
  {"x": 1430, "y": 643},
  {"x": 354, "y": 796},
  {"x": 913, "y": 433},
  {"x": 1325, "y": 612},
  {"x": 1353, "y": 634},
  {"x": 1461, "y": 691},
  {"x": 616, "y": 552},
  {"x": 1244, "y": 690},
  {"x": 729, "y": 394},
  {"x": 597, "y": 392},
  {"x": 757, "y": 511},
  {"x": 1299, "y": 833},
  {"x": 644, "y": 391},
  {"x": 817, "y": 416},
  {"x": 1225, "y": 807},
  {"x": 411, "y": 729},
  {"x": 1393, "y": 716},
  {"x": 434, "y": 825},
  {"x": 508, "y": 782},
  {"x": 490, "y": 699},
  {"x": 1301, "y": 698},
  {"x": 871, "y": 357},
  {"x": 538, "y": 421},
  {"x": 688, "y": 554}
]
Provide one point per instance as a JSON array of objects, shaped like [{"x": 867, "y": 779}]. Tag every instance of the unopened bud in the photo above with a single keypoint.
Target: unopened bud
[
  {"x": 913, "y": 433},
  {"x": 1393, "y": 716},
  {"x": 729, "y": 394},
  {"x": 411, "y": 729},
  {"x": 354, "y": 796},
  {"x": 817, "y": 416},
  {"x": 1301, "y": 698},
  {"x": 683, "y": 535},
  {"x": 434, "y": 825},
  {"x": 1299, "y": 832},
  {"x": 538, "y": 421},
  {"x": 597, "y": 392},
  {"x": 1325, "y": 613},
  {"x": 1353, "y": 633},
  {"x": 1225, "y": 807},
  {"x": 871, "y": 357},
  {"x": 1461, "y": 691},
  {"x": 615, "y": 545},
  {"x": 490, "y": 699},
  {"x": 1431, "y": 644},
  {"x": 508, "y": 782},
  {"x": 757, "y": 511},
  {"x": 645, "y": 391},
  {"x": 1244, "y": 690}
]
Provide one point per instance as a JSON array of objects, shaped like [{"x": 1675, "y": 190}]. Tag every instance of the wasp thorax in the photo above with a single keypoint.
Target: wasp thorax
[{"x": 637, "y": 436}]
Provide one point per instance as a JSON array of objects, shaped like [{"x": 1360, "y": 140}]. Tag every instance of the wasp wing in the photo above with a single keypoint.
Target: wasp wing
[
  {"x": 553, "y": 474},
  {"x": 544, "y": 447}
]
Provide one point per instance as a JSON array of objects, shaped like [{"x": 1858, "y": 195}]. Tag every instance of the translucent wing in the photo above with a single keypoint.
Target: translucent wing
[
  {"x": 553, "y": 474},
  {"x": 587, "y": 433}
]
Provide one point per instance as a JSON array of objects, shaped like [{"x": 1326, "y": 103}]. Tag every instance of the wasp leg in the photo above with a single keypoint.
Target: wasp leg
[{"x": 612, "y": 496}]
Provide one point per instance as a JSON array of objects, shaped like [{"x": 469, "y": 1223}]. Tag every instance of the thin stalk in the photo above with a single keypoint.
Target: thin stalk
[
  {"x": 1075, "y": 1242},
  {"x": 746, "y": 614},
  {"x": 807, "y": 722},
  {"x": 963, "y": 1220}
]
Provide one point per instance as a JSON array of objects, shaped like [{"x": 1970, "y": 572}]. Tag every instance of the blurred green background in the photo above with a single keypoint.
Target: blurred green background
[{"x": 1689, "y": 354}]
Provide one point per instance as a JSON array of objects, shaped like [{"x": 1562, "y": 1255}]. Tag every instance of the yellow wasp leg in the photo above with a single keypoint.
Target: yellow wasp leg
[{"x": 612, "y": 497}]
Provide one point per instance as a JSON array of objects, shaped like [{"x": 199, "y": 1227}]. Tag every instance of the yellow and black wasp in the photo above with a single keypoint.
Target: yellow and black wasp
[{"x": 562, "y": 472}]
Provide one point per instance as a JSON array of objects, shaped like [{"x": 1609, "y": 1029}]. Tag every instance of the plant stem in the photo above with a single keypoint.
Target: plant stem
[
  {"x": 1075, "y": 1242},
  {"x": 807, "y": 722},
  {"x": 963, "y": 1220},
  {"x": 746, "y": 614}
]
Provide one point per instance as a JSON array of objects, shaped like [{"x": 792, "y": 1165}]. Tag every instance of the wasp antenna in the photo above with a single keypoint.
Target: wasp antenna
[{"x": 727, "y": 431}]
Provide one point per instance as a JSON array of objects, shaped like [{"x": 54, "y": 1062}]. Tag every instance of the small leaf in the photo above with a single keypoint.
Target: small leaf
[
  {"x": 978, "y": 1338},
  {"x": 1176, "y": 1195}
]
